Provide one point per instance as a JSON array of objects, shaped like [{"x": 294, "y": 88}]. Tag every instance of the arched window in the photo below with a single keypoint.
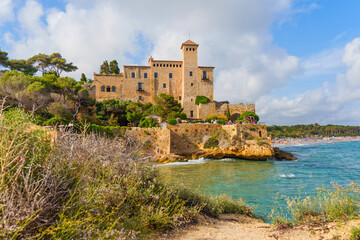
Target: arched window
[
  {"x": 103, "y": 88},
  {"x": 108, "y": 89},
  {"x": 113, "y": 88}
]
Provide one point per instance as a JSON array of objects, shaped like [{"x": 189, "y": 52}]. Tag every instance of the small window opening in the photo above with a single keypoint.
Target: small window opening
[
  {"x": 164, "y": 85},
  {"x": 108, "y": 89},
  {"x": 145, "y": 75},
  {"x": 133, "y": 75},
  {"x": 192, "y": 84},
  {"x": 170, "y": 75},
  {"x": 190, "y": 73},
  {"x": 191, "y": 113},
  {"x": 103, "y": 88},
  {"x": 113, "y": 88}
]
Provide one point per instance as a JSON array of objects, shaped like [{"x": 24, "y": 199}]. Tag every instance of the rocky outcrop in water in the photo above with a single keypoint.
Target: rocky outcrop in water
[{"x": 282, "y": 155}]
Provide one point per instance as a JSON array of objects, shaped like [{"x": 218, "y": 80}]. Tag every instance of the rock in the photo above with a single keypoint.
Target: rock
[{"x": 282, "y": 155}]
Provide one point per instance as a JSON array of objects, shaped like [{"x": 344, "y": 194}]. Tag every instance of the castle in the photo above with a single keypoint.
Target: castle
[{"x": 184, "y": 80}]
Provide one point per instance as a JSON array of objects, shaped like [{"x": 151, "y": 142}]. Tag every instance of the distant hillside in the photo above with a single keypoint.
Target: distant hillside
[{"x": 312, "y": 130}]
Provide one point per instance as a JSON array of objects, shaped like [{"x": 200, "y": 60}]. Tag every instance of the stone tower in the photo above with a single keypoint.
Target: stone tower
[{"x": 189, "y": 77}]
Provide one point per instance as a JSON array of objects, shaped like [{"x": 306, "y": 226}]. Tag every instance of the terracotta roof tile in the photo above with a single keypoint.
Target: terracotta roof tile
[{"x": 189, "y": 42}]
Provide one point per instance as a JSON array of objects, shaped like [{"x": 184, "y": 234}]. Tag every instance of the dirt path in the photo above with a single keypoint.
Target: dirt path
[{"x": 231, "y": 227}]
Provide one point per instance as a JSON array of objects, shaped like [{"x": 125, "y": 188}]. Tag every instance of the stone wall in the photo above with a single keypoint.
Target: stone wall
[{"x": 220, "y": 108}]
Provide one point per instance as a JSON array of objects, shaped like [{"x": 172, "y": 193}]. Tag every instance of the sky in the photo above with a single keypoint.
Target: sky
[{"x": 298, "y": 60}]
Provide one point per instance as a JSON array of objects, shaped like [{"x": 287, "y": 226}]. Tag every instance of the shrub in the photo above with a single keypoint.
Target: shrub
[
  {"x": 221, "y": 122},
  {"x": 181, "y": 116},
  {"x": 56, "y": 121},
  {"x": 148, "y": 122},
  {"x": 355, "y": 234},
  {"x": 172, "y": 121},
  {"x": 201, "y": 99},
  {"x": 247, "y": 114},
  {"x": 211, "y": 143},
  {"x": 215, "y": 117},
  {"x": 327, "y": 205}
]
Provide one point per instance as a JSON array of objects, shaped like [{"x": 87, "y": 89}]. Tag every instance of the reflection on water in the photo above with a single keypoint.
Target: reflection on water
[{"x": 259, "y": 182}]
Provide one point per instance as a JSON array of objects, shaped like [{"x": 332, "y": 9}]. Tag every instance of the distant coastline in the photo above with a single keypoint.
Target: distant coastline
[{"x": 281, "y": 142}]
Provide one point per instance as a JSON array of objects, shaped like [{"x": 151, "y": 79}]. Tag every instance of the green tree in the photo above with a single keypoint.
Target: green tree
[
  {"x": 3, "y": 58},
  {"x": 104, "y": 68},
  {"x": 21, "y": 66},
  {"x": 65, "y": 86},
  {"x": 166, "y": 106},
  {"x": 114, "y": 67},
  {"x": 83, "y": 78},
  {"x": 38, "y": 96},
  {"x": 228, "y": 114},
  {"x": 54, "y": 63}
]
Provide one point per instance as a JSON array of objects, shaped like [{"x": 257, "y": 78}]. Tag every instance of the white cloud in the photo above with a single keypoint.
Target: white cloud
[
  {"x": 233, "y": 36},
  {"x": 6, "y": 11},
  {"x": 332, "y": 103}
]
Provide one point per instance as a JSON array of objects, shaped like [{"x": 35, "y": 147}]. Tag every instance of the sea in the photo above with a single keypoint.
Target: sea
[{"x": 265, "y": 185}]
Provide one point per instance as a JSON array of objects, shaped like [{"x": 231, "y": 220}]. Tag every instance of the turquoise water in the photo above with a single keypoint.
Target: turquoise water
[{"x": 259, "y": 183}]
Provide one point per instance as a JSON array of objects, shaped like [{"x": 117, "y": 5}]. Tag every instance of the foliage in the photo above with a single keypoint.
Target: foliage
[
  {"x": 355, "y": 234},
  {"x": 312, "y": 130},
  {"x": 22, "y": 66},
  {"x": 211, "y": 143},
  {"x": 56, "y": 121},
  {"x": 3, "y": 58},
  {"x": 54, "y": 63},
  {"x": 172, "y": 121},
  {"x": 114, "y": 67},
  {"x": 215, "y": 117},
  {"x": 245, "y": 114},
  {"x": 201, "y": 99},
  {"x": 327, "y": 205},
  {"x": 113, "y": 121},
  {"x": 148, "y": 122},
  {"x": 221, "y": 122},
  {"x": 105, "y": 68},
  {"x": 167, "y": 107},
  {"x": 83, "y": 78},
  {"x": 228, "y": 114}
]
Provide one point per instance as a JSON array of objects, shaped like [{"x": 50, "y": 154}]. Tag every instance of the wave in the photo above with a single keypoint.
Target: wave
[
  {"x": 287, "y": 176},
  {"x": 189, "y": 162}
]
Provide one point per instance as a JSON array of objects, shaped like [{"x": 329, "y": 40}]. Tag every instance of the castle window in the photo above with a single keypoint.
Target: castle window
[
  {"x": 170, "y": 75},
  {"x": 167, "y": 65},
  {"x": 193, "y": 49},
  {"x": 103, "y": 88},
  {"x": 157, "y": 65},
  {"x": 140, "y": 86},
  {"x": 187, "y": 49},
  {"x": 145, "y": 75},
  {"x": 160, "y": 65},
  {"x": 133, "y": 75},
  {"x": 164, "y": 85},
  {"x": 140, "y": 97},
  {"x": 177, "y": 65},
  {"x": 108, "y": 89},
  {"x": 156, "y": 75},
  {"x": 190, "y": 73},
  {"x": 113, "y": 88},
  {"x": 191, "y": 99},
  {"x": 179, "y": 98},
  {"x": 154, "y": 65},
  {"x": 180, "y": 65},
  {"x": 204, "y": 74},
  {"x": 170, "y": 65},
  {"x": 192, "y": 84},
  {"x": 191, "y": 113}
]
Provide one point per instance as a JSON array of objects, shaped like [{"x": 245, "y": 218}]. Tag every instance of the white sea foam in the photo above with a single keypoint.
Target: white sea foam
[
  {"x": 287, "y": 176},
  {"x": 196, "y": 161}
]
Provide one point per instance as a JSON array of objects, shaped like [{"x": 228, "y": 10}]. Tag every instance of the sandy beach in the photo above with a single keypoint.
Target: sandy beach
[{"x": 280, "y": 142}]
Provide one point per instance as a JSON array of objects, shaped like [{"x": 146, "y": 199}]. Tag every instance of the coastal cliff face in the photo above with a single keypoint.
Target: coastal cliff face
[{"x": 190, "y": 141}]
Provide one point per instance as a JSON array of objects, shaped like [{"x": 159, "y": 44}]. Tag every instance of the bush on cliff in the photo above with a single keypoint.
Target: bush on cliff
[
  {"x": 247, "y": 114},
  {"x": 148, "y": 123},
  {"x": 215, "y": 117},
  {"x": 211, "y": 143}
]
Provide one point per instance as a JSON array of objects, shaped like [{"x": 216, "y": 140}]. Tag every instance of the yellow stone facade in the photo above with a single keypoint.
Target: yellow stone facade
[{"x": 185, "y": 80}]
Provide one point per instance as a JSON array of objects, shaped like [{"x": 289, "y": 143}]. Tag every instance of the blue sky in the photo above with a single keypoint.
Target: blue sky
[{"x": 298, "y": 60}]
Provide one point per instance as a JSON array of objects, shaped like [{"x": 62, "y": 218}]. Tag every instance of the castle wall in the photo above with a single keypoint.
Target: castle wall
[{"x": 106, "y": 80}]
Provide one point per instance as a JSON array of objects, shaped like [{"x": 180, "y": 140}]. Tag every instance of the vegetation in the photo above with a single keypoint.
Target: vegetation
[
  {"x": 327, "y": 205},
  {"x": 212, "y": 143},
  {"x": 172, "y": 121},
  {"x": 201, "y": 99},
  {"x": 76, "y": 188},
  {"x": 244, "y": 115},
  {"x": 167, "y": 107},
  {"x": 112, "y": 68},
  {"x": 313, "y": 130},
  {"x": 215, "y": 117},
  {"x": 355, "y": 234}
]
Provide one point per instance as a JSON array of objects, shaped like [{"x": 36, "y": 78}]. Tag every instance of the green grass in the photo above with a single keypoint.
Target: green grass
[
  {"x": 337, "y": 203},
  {"x": 86, "y": 186}
]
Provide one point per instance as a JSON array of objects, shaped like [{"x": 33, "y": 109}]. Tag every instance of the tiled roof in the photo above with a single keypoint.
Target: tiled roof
[{"x": 189, "y": 42}]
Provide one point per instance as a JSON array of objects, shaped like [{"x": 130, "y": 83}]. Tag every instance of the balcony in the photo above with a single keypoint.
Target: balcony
[
  {"x": 205, "y": 78},
  {"x": 140, "y": 90}
]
